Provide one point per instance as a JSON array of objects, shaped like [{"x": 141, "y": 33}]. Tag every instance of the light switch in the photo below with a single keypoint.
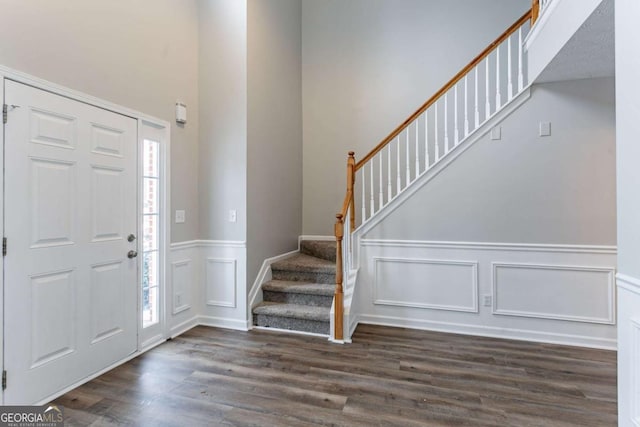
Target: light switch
[
  {"x": 496, "y": 133},
  {"x": 545, "y": 128},
  {"x": 180, "y": 217},
  {"x": 233, "y": 216}
]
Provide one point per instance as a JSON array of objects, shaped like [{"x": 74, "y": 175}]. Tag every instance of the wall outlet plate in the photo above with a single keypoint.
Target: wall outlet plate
[
  {"x": 545, "y": 128},
  {"x": 496, "y": 133},
  {"x": 487, "y": 301},
  {"x": 233, "y": 215},
  {"x": 180, "y": 217}
]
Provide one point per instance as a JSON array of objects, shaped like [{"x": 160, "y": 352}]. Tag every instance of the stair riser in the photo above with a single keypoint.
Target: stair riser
[
  {"x": 288, "y": 323},
  {"x": 304, "y": 276},
  {"x": 319, "y": 250},
  {"x": 300, "y": 299}
]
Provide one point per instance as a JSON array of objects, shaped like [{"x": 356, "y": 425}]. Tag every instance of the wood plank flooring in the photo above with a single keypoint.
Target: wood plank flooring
[{"x": 387, "y": 377}]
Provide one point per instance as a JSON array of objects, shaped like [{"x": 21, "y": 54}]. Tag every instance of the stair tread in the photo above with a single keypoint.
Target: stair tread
[
  {"x": 325, "y": 249},
  {"x": 306, "y": 263},
  {"x": 306, "y": 312},
  {"x": 299, "y": 287}
]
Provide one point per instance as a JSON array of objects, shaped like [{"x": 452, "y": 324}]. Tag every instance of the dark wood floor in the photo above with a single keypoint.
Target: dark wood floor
[{"x": 388, "y": 376}]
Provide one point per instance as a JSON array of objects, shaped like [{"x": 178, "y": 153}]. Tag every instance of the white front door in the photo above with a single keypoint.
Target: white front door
[{"x": 70, "y": 204}]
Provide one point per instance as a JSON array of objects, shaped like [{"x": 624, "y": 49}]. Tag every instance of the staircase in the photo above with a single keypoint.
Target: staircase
[{"x": 300, "y": 294}]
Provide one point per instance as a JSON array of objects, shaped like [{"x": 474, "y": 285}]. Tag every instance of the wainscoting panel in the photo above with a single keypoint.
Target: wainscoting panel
[
  {"x": 220, "y": 282},
  {"x": 550, "y": 293},
  {"x": 426, "y": 283},
  {"x": 181, "y": 277},
  {"x": 580, "y": 294}
]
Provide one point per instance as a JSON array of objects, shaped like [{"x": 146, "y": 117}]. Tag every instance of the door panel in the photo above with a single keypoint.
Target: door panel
[{"x": 70, "y": 201}]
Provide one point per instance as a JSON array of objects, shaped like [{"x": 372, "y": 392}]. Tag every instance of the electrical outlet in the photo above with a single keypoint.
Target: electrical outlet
[
  {"x": 180, "y": 217},
  {"x": 487, "y": 300},
  {"x": 233, "y": 215},
  {"x": 178, "y": 300}
]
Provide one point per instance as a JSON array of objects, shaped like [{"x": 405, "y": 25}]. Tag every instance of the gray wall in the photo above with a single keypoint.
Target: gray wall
[
  {"x": 274, "y": 154},
  {"x": 367, "y": 65},
  {"x": 141, "y": 54},
  {"x": 223, "y": 118},
  {"x": 559, "y": 189}
]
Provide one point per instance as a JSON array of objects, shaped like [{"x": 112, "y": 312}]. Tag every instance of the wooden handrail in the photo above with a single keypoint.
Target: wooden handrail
[{"x": 445, "y": 88}]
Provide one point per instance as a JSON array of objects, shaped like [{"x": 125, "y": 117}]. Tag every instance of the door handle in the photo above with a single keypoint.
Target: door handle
[
  {"x": 131, "y": 238},
  {"x": 132, "y": 254}
]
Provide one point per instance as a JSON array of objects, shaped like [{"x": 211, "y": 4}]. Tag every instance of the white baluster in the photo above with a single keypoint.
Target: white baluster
[
  {"x": 417, "y": 150},
  {"x": 437, "y": 146},
  {"x": 456, "y": 133},
  {"x": 446, "y": 126},
  {"x": 398, "y": 168},
  {"x": 381, "y": 191},
  {"x": 477, "y": 109},
  {"x": 426, "y": 140},
  {"x": 466, "y": 105},
  {"x": 364, "y": 202},
  {"x": 498, "y": 95},
  {"x": 372, "y": 204},
  {"x": 408, "y": 161},
  {"x": 520, "y": 75},
  {"x": 509, "y": 70},
  {"x": 389, "y": 193},
  {"x": 487, "y": 105}
]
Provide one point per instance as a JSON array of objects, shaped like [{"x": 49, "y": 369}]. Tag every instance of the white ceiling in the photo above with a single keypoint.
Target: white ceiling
[{"x": 589, "y": 53}]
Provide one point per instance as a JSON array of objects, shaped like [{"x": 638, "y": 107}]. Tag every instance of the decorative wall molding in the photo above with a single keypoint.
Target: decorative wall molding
[
  {"x": 490, "y": 246},
  {"x": 549, "y": 293},
  {"x": 208, "y": 243},
  {"x": 225, "y": 295},
  {"x": 629, "y": 283},
  {"x": 415, "y": 301},
  {"x": 609, "y": 319},
  {"x": 181, "y": 298},
  {"x": 635, "y": 371}
]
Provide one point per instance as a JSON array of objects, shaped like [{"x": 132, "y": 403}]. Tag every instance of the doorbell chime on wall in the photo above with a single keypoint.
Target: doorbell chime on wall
[{"x": 181, "y": 113}]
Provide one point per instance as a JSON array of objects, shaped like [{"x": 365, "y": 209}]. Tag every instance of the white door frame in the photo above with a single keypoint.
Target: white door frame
[{"x": 143, "y": 120}]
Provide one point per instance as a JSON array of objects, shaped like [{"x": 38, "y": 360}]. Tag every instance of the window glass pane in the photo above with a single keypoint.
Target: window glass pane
[
  {"x": 150, "y": 158},
  {"x": 150, "y": 232},
  {"x": 150, "y": 303},
  {"x": 150, "y": 195}
]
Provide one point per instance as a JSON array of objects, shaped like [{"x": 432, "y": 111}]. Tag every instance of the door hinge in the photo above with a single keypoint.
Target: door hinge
[
  {"x": 4, "y": 380},
  {"x": 4, "y": 113},
  {"x": 4, "y": 246}
]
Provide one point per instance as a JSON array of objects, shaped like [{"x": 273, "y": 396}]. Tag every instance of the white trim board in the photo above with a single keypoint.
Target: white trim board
[
  {"x": 629, "y": 283},
  {"x": 493, "y": 246},
  {"x": 488, "y": 331}
]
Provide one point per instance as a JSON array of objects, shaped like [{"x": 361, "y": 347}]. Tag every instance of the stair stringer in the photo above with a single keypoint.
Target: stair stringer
[{"x": 350, "y": 285}]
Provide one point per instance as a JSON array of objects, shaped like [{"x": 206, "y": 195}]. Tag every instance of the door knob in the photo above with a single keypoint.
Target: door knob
[
  {"x": 132, "y": 254},
  {"x": 131, "y": 238}
]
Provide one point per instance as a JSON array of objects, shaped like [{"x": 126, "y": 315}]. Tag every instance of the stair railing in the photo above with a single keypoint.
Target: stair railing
[{"x": 472, "y": 97}]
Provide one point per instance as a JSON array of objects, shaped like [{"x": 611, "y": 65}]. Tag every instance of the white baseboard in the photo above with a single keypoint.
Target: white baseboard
[
  {"x": 491, "y": 332},
  {"x": 183, "y": 327},
  {"x": 225, "y": 323}
]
